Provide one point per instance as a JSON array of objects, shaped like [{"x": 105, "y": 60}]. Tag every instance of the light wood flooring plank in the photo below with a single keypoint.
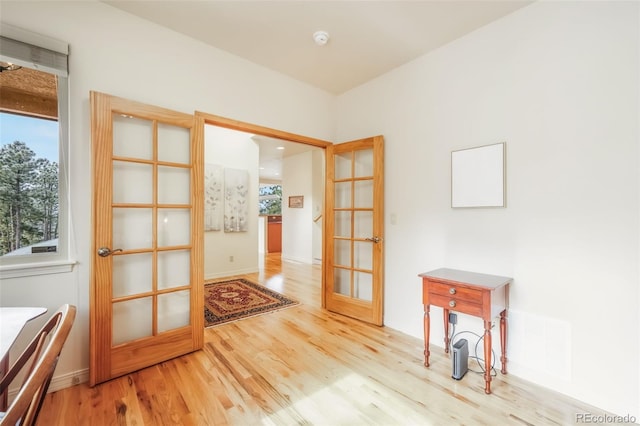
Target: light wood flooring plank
[{"x": 306, "y": 366}]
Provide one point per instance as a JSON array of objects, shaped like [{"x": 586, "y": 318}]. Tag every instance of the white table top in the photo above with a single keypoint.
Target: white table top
[{"x": 12, "y": 321}]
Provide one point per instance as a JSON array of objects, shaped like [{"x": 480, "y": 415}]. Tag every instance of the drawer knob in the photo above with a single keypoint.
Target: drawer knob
[
  {"x": 452, "y": 303},
  {"x": 452, "y": 290}
]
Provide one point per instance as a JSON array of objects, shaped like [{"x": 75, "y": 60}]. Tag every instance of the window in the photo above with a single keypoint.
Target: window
[
  {"x": 270, "y": 199},
  {"x": 29, "y": 201},
  {"x": 33, "y": 154}
]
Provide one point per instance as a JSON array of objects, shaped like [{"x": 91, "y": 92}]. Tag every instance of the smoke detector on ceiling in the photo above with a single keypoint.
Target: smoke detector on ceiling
[{"x": 321, "y": 37}]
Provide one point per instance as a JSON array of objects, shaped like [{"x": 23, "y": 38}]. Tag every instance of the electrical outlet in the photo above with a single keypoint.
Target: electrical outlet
[
  {"x": 230, "y": 258},
  {"x": 75, "y": 380},
  {"x": 453, "y": 318}
]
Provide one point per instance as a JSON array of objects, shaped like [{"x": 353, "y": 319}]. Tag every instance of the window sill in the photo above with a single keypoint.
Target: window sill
[{"x": 31, "y": 269}]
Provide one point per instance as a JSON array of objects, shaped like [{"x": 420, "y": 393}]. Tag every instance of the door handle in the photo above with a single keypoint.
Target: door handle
[
  {"x": 106, "y": 251},
  {"x": 374, "y": 239}
]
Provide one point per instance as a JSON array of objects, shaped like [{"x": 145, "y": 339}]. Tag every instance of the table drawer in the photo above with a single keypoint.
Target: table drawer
[
  {"x": 460, "y": 293},
  {"x": 456, "y": 304}
]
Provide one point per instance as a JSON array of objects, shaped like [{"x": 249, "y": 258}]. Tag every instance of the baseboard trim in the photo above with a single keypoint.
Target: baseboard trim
[
  {"x": 231, "y": 273},
  {"x": 70, "y": 379},
  {"x": 60, "y": 382},
  {"x": 304, "y": 260}
]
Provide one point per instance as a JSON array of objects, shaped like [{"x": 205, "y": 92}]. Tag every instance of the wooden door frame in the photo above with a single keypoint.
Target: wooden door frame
[{"x": 203, "y": 118}]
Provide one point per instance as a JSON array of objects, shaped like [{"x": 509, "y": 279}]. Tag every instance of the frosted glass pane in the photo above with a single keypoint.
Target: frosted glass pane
[
  {"x": 173, "y": 310},
  {"x": 174, "y": 227},
  {"x": 342, "y": 194},
  {"x": 132, "y": 228},
  {"x": 132, "y": 274},
  {"x": 364, "y": 163},
  {"x": 342, "y": 224},
  {"x": 363, "y": 227},
  {"x": 173, "y": 144},
  {"x": 363, "y": 193},
  {"x": 132, "y": 320},
  {"x": 342, "y": 252},
  {"x": 132, "y": 182},
  {"x": 132, "y": 137},
  {"x": 363, "y": 286},
  {"x": 363, "y": 255},
  {"x": 342, "y": 281},
  {"x": 342, "y": 164},
  {"x": 174, "y": 185},
  {"x": 174, "y": 268}
]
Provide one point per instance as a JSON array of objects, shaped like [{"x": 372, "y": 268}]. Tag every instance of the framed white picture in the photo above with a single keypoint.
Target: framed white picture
[
  {"x": 213, "y": 199},
  {"x": 236, "y": 201},
  {"x": 478, "y": 177}
]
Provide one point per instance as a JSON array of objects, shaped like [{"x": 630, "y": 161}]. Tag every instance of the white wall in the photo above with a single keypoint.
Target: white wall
[
  {"x": 297, "y": 223},
  {"x": 233, "y": 253},
  {"x": 317, "y": 192},
  {"x": 262, "y": 235},
  {"x": 558, "y": 82},
  {"x": 119, "y": 54}
]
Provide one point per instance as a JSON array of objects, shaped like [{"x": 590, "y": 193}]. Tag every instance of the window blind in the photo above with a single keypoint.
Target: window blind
[{"x": 32, "y": 56}]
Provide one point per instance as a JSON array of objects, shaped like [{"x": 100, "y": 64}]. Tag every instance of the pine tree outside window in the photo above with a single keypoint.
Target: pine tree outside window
[
  {"x": 29, "y": 201},
  {"x": 270, "y": 199}
]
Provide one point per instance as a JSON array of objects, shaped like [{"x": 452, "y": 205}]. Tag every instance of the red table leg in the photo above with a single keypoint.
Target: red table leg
[
  {"x": 487, "y": 357},
  {"x": 427, "y": 327},
  {"x": 445, "y": 321},
  {"x": 503, "y": 341}
]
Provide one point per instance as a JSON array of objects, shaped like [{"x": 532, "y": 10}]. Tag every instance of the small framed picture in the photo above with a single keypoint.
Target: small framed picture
[
  {"x": 478, "y": 176},
  {"x": 296, "y": 201}
]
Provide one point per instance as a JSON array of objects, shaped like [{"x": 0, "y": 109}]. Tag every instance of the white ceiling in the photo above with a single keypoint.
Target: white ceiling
[
  {"x": 272, "y": 151},
  {"x": 367, "y": 38}
]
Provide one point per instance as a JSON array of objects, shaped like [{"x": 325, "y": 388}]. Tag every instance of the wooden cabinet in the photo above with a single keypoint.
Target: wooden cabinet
[
  {"x": 480, "y": 295},
  {"x": 274, "y": 234}
]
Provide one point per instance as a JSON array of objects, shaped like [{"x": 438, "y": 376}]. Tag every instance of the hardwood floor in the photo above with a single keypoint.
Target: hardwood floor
[{"x": 303, "y": 365}]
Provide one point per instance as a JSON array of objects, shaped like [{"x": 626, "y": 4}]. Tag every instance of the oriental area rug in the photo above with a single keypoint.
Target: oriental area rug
[{"x": 231, "y": 300}]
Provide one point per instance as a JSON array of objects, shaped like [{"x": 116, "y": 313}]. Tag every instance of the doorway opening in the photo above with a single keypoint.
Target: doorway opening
[{"x": 279, "y": 166}]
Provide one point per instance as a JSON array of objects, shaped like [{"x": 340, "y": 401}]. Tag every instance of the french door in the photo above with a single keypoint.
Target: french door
[
  {"x": 147, "y": 273},
  {"x": 354, "y": 229}
]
